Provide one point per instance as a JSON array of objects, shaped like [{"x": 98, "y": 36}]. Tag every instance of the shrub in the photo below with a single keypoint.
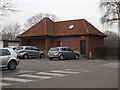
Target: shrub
[{"x": 106, "y": 52}]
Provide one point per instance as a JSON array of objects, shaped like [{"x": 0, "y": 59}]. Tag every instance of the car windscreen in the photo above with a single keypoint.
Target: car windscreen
[
  {"x": 19, "y": 48},
  {"x": 54, "y": 49}
]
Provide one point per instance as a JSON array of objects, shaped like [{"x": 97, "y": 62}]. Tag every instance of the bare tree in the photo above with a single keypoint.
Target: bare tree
[
  {"x": 9, "y": 32},
  {"x": 6, "y": 6},
  {"x": 36, "y": 18},
  {"x": 111, "y": 12},
  {"x": 111, "y": 15}
]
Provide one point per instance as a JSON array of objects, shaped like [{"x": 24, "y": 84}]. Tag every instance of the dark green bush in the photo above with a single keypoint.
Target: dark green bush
[{"x": 107, "y": 52}]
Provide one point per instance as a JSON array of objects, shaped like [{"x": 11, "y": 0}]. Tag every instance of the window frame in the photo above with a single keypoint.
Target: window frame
[{"x": 71, "y": 26}]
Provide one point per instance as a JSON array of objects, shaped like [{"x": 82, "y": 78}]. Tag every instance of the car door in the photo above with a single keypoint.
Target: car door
[
  {"x": 29, "y": 51},
  {"x": 70, "y": 53},
  {"x": 64, "y": 52},
  {"x": 36, "y": 52},
  {"x": 5, "y": 56}
]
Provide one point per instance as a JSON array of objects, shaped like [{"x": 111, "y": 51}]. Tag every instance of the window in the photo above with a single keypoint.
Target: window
[
  {"x": 0, "y": 52},
  {"x": 58, "y": 43},
  {"x": 35, "y": 48},
  {"x": 19, "y": 48},
  {"x": 71, "y": 26},
  {"x": 5, "y": 52},
  {"x": 54, "y": 49},
  {"x": 64, "y": 49},
  {"x": 69, "y": 49},
  {"x": 28, "y": 48}
]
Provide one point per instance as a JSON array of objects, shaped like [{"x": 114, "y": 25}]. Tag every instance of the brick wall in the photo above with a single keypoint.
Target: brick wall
[
  {"x": 74, "y": 43},
  {"x": 45, "y": 44},
  {"x": 95, "y": 42},
  {"x": 39, "y": 43}
]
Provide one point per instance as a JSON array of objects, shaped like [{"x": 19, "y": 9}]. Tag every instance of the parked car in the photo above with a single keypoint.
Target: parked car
[
  {"x": 62, "y": 53},
  {"x": 28, "y": 52},
  {"x": 8, "y": 58}
]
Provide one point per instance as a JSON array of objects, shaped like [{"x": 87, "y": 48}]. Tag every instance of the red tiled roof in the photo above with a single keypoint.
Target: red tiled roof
[{"x": 48, "y": 27}]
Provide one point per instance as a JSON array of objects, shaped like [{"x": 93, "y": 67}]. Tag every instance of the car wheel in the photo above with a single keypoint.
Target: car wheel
[
  {"x": 25, "y": 56},
  {"x": 76, "y": 56},
  {"x": 12, "y": 65},
  {"x": 61, "y": 57},
  {"x": 50, "y": 58},
  {"x": 41, "y": 55}
]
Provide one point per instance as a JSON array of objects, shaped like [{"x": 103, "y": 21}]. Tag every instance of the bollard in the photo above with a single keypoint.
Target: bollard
[{"x": 90, "y": 55}]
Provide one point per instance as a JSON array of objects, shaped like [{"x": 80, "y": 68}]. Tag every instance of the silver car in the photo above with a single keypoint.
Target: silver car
[
  {"x": 8, "y": 58},
  {"x": 62, "y": 53},
  {"x": 28, "y": 52}
]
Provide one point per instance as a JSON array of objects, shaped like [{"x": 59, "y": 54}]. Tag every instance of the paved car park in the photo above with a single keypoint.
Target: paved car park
[{"x": 75, "y": 73}]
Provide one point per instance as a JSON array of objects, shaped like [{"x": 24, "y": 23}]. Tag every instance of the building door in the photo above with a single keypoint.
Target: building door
[
  {"x": 83, "y": 47},
  {"x": 58, "y": 43}
]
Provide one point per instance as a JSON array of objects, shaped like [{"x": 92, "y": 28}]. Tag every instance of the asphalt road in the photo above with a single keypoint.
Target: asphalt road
[{"x": 43, "y": 73}]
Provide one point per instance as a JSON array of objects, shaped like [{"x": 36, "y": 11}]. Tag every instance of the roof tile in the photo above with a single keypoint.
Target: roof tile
[{"x": 48, "y": 27}]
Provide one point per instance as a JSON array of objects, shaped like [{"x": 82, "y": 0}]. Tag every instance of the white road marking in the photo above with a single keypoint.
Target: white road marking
[
  {"x": 86, "y": 71},
  {"x": 67, "y": 72},
  {"x": 16, "y": 79},
  {"x": 113, "y": 65},
  {"x": 40, "y": 75},
  {"x": 52, "y": 74},
  {"x": 67, "y": 69},
  {"x": 34, "y": 76},
  {"x": 4, "y": 84}
]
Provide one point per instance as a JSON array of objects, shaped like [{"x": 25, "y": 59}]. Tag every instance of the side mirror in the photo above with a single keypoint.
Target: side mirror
[{"x": 14, "y": 48}]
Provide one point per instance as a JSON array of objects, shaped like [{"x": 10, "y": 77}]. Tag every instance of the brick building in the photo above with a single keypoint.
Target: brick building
[{"x": 78, "y": 34}]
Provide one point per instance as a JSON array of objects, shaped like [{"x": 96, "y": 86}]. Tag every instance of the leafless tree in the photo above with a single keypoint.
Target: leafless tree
[
  {"x": 6, "y": 6},
  {"x": 9, "y": 32},
  {"x": 36, "y": 18},
  {"x": 111, "y": 12},
  {"x": 111, "y": 15}
]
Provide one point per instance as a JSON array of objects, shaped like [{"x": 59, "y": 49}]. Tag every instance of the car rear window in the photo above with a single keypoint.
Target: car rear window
[
  {"x": 19, "y": 48},
  {"x": 4, "y": 52},
  {"x": 54, "y": 49}
]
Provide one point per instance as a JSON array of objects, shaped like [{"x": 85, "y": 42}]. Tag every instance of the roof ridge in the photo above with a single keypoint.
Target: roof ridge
[
  {"x": 85, "y": 26},
  {"x": 69, "y": 20}
]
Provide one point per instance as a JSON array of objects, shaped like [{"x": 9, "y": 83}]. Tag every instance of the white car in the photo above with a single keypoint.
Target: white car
[{"x": 8, "y": 58}]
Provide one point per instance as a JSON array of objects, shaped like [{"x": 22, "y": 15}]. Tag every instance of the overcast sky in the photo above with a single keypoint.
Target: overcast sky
[{"x": 64, "y": 9}]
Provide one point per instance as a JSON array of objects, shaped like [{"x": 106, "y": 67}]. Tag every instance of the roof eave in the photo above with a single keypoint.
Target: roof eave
[{"x": 76, "y": 35}]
